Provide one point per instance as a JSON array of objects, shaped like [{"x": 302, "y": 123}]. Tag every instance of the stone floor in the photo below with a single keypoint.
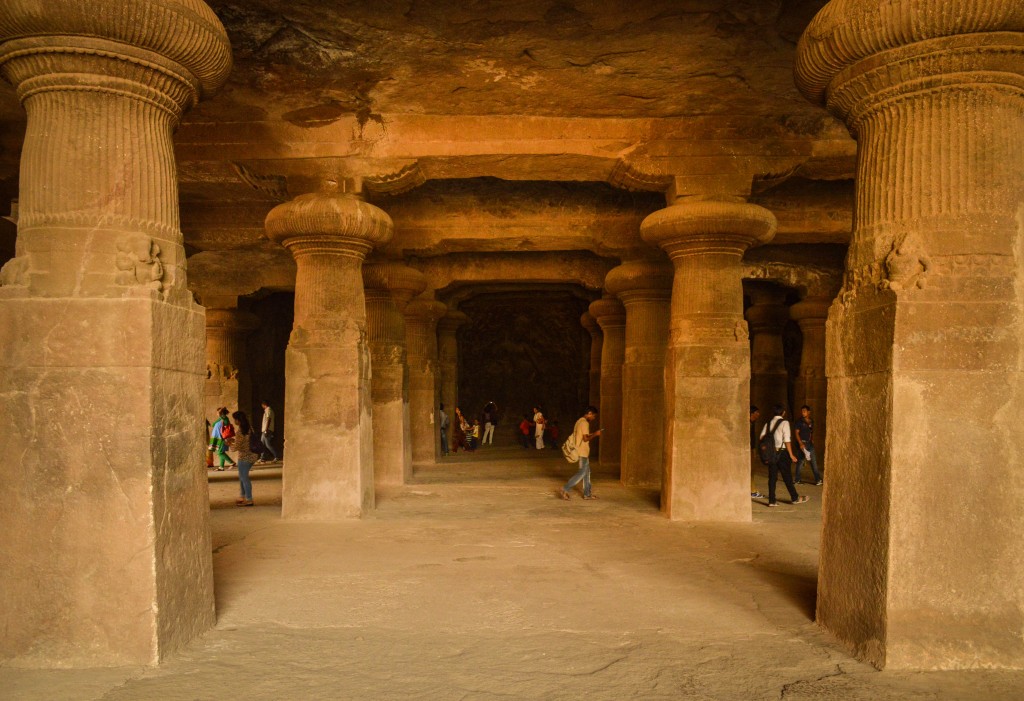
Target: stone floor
[{"x": 477, "y": 582}]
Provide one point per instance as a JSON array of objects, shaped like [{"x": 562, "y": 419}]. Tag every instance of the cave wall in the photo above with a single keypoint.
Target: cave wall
[{"x": 523, "y": 350}]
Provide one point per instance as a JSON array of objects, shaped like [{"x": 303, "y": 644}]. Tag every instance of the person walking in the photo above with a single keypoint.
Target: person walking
[
  {"x": 805, "y": 440},
  {"x": 443, "y": 423},
  {"x": 581, "y": 437},
  {"x": 241, "y": 443},
  {"x": 490, "y": 421},
  {"x": 267, "y": 432},
  {"x": 779, "y": 430},
  {"x": 220, "y": 434},
  {"x": 538, "y": 431}
]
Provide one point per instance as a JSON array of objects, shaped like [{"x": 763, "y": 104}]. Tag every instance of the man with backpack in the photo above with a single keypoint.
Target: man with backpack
[
  {"x": 581, "y": 438},
  {"x": 775, "y": 449}
]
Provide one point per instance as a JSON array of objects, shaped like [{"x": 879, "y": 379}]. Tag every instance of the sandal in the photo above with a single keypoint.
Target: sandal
[
  {"x": 564, "y": 494},
  {"x": 589, "y": 496},
  {"x": 245, "y": 502}
]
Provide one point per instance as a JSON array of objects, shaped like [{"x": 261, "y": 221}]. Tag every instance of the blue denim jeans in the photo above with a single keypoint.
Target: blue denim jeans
[
  {"x": 582, "y": 474},
  {"x": 268, "y": 441},
  {"x": 243, "y": 478},
  {"x": 813, "y": 462},
  {"x": 444, "y": 442}
]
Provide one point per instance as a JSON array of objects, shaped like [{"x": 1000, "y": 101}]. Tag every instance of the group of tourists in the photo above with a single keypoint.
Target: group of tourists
[
  {"x": 467, "y": 434},
  {"x": 775, "y": 447},
  {"x": 537, "y": 431},
  {"x": 236, "y": 435}
]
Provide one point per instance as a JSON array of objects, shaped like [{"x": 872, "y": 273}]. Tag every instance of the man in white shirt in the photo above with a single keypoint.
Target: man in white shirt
[
  {"x": 538, "y": 431},
  {"x": 267, "y": 431},
  {"x": 778, "y": 427},
  {"x": 581, "y": 436}
]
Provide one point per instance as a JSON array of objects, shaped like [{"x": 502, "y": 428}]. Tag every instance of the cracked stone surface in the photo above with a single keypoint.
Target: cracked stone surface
[{"x": 477, "y": 582}]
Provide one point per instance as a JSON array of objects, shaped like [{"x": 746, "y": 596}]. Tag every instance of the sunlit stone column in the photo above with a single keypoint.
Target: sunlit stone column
[
  {"x": 596, "y": 343},
  {"x": 766, "y": 319},
  {"x": 707, "y": 366},
  {"x": 421, "y": 317},
  {"x": 228, "y": 383},
  {"x": 389, "y": 285},
  {"x": 921, "y": 559},
  {"x": 645, "y": 289},
  {"x": 106, "y": 548},
  {"x": 811, "y": 386},
  {"x": 448, "y": 358},
  {"x": 610, "y": 315},
  {"x": 328, "y": 467}
]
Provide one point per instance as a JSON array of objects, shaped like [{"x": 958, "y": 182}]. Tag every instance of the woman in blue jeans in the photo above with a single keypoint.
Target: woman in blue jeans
[{"x": 241, "y": 443}]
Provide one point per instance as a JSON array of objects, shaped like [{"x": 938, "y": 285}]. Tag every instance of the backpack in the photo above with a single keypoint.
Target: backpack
[
  {"x": 569, "y": 449},
  {"x": 766, "y": 446}
]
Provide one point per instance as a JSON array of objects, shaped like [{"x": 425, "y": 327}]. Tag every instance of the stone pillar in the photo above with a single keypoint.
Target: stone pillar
[
  {"x": 107, "y": 543},
  {"x": 596, "y": 343},
  {"x": 328, "y": 466},
  {"x": 811, "y": 384},
  {"x": 645, "y": 288},
  {"x": 766, "y": 319},
  {"x": 707, "y": 366},
  {"x": 421, "y": 317},
  {"x": 921, "y": 562},
  {"x": 611, "y": 317},
  {"x": 448, "y": 358},
  {"x": 227, "y": 379},
  {"x": 389, "y": 287}
]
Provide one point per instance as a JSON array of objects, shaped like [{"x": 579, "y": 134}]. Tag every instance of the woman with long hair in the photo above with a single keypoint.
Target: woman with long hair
[
  {"x": 242, "y": 444},
  {"x": 459, "y": 432}
]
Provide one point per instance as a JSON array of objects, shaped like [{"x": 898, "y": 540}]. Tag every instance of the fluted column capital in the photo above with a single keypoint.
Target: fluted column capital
[
  {"x": 449, "y": 323},
  {"x": 608, "y": 312},
  {"x": 400, "y": 281},
  {"x": 588, "y": 322},
  {"x": 857, "y": 56},
  {"x": 171, "y": 53},
  {"x": 231, "y": 320},
  {"x": 426, "y": 311},
  {"x": 694, "y": 225},
  {"x": 329, "y": 222},
  {"x": 639, "y": 280}
]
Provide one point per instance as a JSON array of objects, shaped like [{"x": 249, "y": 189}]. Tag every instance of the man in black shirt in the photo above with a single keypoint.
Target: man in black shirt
[{"x": 805, "y": 442}]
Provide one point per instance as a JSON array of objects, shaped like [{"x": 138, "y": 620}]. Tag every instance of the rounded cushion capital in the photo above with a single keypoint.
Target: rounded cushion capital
[
  {"x": 394, "y": 276},
  {"x": 329, "y": 216},
  {"x": 608, "y": 310},
  {"x": 639, "y": 275},
  {"x": 452, "y": 320},
  {"x": 735, "y": 222},
  {"x": 847, "y": 31},
  {"x": 184, "y": 31},
  {"x": 231, "y": 320},
  {"x": 429, "y": 310}
]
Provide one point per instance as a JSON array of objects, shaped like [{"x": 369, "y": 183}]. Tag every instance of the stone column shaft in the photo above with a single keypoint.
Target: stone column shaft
[
  {"x": 611, "y": 316},
  {"x": 448, "y": 358},
  {"x": 596, "y": 344},
  {"x": 645, "y": 289},
  {"x": 766, "y": 319},
  {"x": 107, "y": 556},
  {"x": 925, "y": 340},
  {"x": 707, "y": 367},
  {"x": 421, "y": 317},
  {"x": 389, "y": 287},
  {"x": 227, "y": 374},
  {"x": 811, "y": 384},
  {"x": 328, "y": 468}
]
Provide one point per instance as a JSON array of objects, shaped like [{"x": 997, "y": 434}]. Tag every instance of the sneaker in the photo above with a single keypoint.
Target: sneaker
[
  {"x": 801, "y": 500},
  {"x": 756, "y": 495},
  {"x": 772, "y": 503},
  {"x": 818, "y": 483}
]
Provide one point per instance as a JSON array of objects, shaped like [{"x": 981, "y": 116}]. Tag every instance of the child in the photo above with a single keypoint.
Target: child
[
  {"x": 524, "y": 430},
  {"x": 473, "y": 437}
]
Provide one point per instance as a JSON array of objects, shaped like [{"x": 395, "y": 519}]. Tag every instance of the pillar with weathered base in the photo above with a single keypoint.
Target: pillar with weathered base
[
  {"x": 645, "y": 289},
  {"x": 921, "y": 561},
  {"x": 707, "y": 366},
  {"x": 811, "y": 387},
  {"x": 228, "y": 383},
  {"x": 596, "y": 347},
  {"x": 766, "y": 320},
  {"x": 106, "y": 547},
  {"x": 389, "y": 286},
  {"x": 421, "y": 317},
  {"x": 328, "y": 468},
  {"x": 448, "y": 358},
  {"x": 610, "y": 315}
]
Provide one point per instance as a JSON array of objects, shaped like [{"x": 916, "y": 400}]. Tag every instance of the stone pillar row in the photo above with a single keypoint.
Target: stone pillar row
[
  {"x": 107, "y": 337},
  {"x": 448, "y": 357},
  {"x": 811, "y": 387},
  {"x": 421, "y": 317},
  {"x": 920, "y": 563}
]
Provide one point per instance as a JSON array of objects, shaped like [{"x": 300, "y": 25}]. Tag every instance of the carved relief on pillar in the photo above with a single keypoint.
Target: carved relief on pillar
[
  {"x": 328, "y": 404},
  {"x": 389, "y": 286}
]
